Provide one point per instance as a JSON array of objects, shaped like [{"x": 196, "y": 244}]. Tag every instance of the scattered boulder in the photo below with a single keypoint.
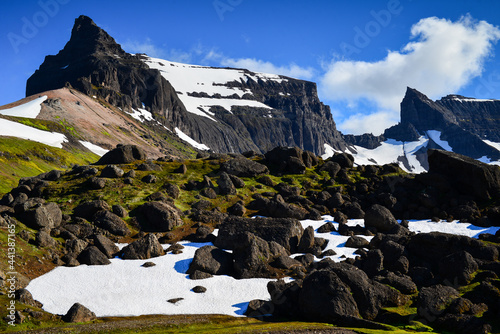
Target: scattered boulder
[
  {"x": 43, "y": 239},
  {"x": 211, "y": 260},
  {"x": 199, "y": 289},
  {"x": 87, "y": 210},
  {"x": 47, "y": 215},
  {"x": 458, "y": 268},
  {"x": 226, "y": 186},
  {"x": 143, "y": 248},
  {"x": 96, "y": 183},
  {"x": 172, "y": 190},
  {"x": 148, "y": 264},
  {"x": 345, "y": 160},
  {"x": 112, "y": 172},
  {"x": 258, "y": 308},
  {"x": 243, "y": 167},
  {"x": 92, "y": 256},
  {"x": 119, "y": 211},
  {"x": 253, "y": 254},
  {"x": 79, "y": 313},
  {"x": 159, "y": 216},
  {"x": 25, "y": 297},
  {"x": 357, "y": 242},
  {"x": 380, "y": 218},
  {"x": 325, "y": 298},
  {"x": 151, "y": 178},
  {"x": 331, "y": 167},
  {"x": 106, "y": 246},
  {"x": 284, "y": 231},
  {"x": 122, "y": 154},
  {"x": 110, "y": 222},
  {"x": 433, "y": 300},
  {"x": 287, "y": 160}
]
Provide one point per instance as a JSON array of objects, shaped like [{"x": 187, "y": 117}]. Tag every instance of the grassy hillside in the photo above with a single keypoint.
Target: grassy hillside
[{"x": 21, "y": 158}]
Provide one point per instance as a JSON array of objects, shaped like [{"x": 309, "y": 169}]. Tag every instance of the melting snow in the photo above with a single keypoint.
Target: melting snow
[
  {"x": 94, "y": 148},
  {"x": 14, "y": 129},
  {"x": 124, "y": 288},
  {"x": 29, "y": 109},
  {"x": 191, "y": 141},
  {"x": 141, "y": 115}
]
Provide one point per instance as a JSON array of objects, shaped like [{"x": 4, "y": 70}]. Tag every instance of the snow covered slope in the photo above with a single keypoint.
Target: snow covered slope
[{"x": 201, "y": 88}]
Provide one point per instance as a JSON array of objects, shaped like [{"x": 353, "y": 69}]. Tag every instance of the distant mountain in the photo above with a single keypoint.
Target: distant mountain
[
  {"x": 454, "y": 123},
  {"x": 224, "y": 109}
]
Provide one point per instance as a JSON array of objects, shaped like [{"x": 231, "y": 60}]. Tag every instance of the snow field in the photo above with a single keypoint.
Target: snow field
[{"x": 124, "y": 288}]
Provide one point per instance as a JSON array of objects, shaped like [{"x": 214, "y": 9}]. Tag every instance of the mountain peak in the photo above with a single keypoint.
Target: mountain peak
[{"x": 88, "y": 38}]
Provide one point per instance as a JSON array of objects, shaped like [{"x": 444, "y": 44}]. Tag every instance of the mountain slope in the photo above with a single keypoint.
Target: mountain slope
[{"x": 228, "y": 110}]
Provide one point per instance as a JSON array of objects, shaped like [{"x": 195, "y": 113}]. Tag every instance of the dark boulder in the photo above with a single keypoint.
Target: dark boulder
[
  {"x": 345, "y": 160},
  {"x": 258, "y": 308},
  {"x": 47, "y": 215},
  {"x": 357, "y": 242},
  {"x": 325, "y": 298},
  {"x": 226, "y": 186},
  {"x": 96, "y": 183},
  {"x": 287, "y": 160},
  {"x": 87, "y": 210},
  {"x": 92, "y": 256},
  {"x": 172, "y": 190},
  {"x": 122, "y": 154},
  {"x": 159, "y": 216},
  {"x": 244, "y": 167},
  {"x": 332, "y": 168},
  {"x": 253, "y": 254},
  {"x": 212, "y": 260},
  {"x": 25, "y": 297},
  {"x": 79, "y": 313},
  {"x": 286, "y": 232},
  {"x": 43, "y": 239},
  {"x": 433, "y": 301},
  {"x": 401, "y": 282},
  {"x": 468, "y": 175},
  {"x": 106, "y": 246},
  {"x": 110, "y": 222},
  {"x": 143, "y": 248},
  {"x": 119, "y": 210},
  {"x": 458, "y": 268},
  {"x": 112, "y": 172},
  {"x": 380, "y": 218}
]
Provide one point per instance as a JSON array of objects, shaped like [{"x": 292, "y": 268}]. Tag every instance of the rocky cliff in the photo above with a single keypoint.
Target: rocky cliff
[
  {"x": 254, "y": 112},
  {"x": 454, "y": 123},
  {"x": 464, "y": 123}
]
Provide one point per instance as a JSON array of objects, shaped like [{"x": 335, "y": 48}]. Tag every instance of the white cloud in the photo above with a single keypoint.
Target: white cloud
[
  {"x": 257, "y": 65},
  {"x": 374, "y": 123},
  {"x": 443, "y": 57}
]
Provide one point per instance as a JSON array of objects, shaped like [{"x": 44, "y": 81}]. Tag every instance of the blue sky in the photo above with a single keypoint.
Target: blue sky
[{"x": 362, "y": 54}]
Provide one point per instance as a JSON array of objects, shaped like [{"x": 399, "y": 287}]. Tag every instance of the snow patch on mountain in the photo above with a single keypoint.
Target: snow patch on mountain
[
  {"x": 14, "y": 129},
  {"x": 142, "y": 114},
  {"x": 436, "y": 137},
  {"x": 194, "y": 79},
  {"x": 190, "y": 140},
  {"x": 29, "y": 109}
]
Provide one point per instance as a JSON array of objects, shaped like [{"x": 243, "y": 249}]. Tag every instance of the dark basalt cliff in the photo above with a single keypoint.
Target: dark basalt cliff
[
  {"x": 463, "y": 122},
  {"x": 93, "y": 63}
]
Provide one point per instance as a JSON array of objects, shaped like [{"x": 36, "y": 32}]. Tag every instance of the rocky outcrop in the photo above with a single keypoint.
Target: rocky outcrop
[
  {"x": 123, "y": 154},
  {"x": 474, "y": 177}
]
